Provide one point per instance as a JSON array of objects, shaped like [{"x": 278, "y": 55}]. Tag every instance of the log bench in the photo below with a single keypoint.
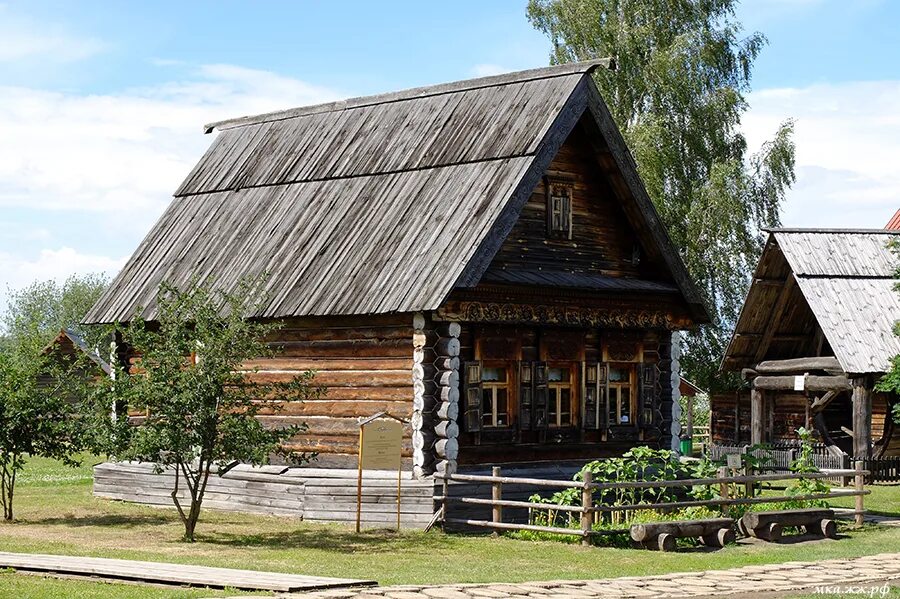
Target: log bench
[
  {"x": 713, "y": 532},
  {"x": 769, "y": 525}
]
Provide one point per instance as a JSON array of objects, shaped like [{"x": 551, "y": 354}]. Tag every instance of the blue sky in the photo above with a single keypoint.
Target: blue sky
[{"x": 101, "y": 103}]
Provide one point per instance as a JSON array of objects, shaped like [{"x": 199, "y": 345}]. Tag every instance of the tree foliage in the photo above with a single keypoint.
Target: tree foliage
[
  {"x": 37, "y": 312},
  {"x": 200, "y": 412},
  {"x": 37, "y": 385},
  {"x": 677, "y": 95},
  {"x": 890, "y": 382}
]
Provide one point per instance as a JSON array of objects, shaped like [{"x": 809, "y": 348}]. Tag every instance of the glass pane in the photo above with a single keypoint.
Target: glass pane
[
  {"x": 626, "y": 406},
  {"x": 613, "y": 407},
  {"x": 558, "y": 374},
  {"x": 501, "y": 408},
  {"x": 487, "y": 403},
  {"x": 565, "y": 406},
  {"x": 553, "y": 394},
  {"x": 496, "y": 375},
  {"x": 618, "y": 374}
]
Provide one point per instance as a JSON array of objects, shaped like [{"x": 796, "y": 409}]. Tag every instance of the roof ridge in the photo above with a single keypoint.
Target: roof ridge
[
  {"x": 562, "y": 70},
  {"x": 827, "y": 230}
]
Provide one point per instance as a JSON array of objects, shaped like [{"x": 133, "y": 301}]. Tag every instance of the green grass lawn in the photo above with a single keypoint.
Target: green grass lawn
[{"x": 56, "y": 513}]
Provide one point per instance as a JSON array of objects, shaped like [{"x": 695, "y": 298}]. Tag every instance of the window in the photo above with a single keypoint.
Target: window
[
  {"x": 559, "y": 385},
  {"x": 494, "y": 397},
  {"x": 621, "y": 396},
  {"x": 559, "y": 210}
]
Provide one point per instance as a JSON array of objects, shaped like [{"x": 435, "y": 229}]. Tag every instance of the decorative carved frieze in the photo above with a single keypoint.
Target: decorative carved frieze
[{"x": 626, "y": 318}]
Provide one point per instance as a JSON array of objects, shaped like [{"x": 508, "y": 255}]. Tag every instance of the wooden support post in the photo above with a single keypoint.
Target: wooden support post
[
  {"x": 496, "y": 495},
  {"x": 757, "y": 401},
  {"x": 859, "y": 484},
  {"x": 862, "y": 418},
  {"x": 587, "y": 502},
  {"x": 445, "y": 493},
  {"x": 723, "y": 488},
  {"x": 748, "y": 471},
  {"x": 690, "y": 416}
]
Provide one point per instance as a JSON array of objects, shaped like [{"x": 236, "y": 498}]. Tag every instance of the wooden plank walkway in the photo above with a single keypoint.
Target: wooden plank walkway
[{"x": 174, "y": 574}]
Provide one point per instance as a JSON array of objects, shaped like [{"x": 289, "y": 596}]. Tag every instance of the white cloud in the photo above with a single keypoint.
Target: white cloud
[
  {"x": 125, "y": 152},
  {"x": 56, "y": 264},
  {"x": 25, "y": 39},
  {"x": 486, "y": 70},
  {"x": 848, "y": 143},
  {"x": 113, "y": 160}
]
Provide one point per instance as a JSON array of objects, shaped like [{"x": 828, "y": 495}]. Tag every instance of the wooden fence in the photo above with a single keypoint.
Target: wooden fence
[
  {"x": 587, "y": 510},
  {"x": 884, "y": 469}
]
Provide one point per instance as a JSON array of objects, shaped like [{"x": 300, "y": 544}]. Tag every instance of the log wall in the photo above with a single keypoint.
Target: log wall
[
  {"x": 603, "y": 241},
  {"x": 311, "y": 494},
  {"x": 364, "y": 365}
]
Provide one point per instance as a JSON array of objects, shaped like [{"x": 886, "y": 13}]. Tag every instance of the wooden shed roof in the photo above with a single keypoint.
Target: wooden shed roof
[
  {"x": 376, "y": 204},
  {"x": 841, "y": 279}
]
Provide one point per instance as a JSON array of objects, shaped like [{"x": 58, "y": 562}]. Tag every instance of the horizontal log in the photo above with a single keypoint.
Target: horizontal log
[
  {"x": 811, "y": 383},
  {"x": 447, "y": 347},
  {"x": 300, "y": 364},
  {"x": 448, "y": 394},
  {"x": 681, "y": 528},
  {"x": 335, "y": 408},
  {"x": 447, "y": 429},
  {"x": 800, "y": 365},
  {"x": 449, "y": 329},
  {"x": 448, "y": 378},
  {"x": 448, "y": 410},
  {"x": 419, "y": 321},
  {"x": 365, "y": 333},
  {"x": 445, "y": 467},
  {"x": 447, "y": 448},
  {"x": 800, "y": 517},
  {"x": 387, "y": 348},
  {"x": 447, "y": 363},
  {"x": 341, "y": 378},
  {"x": 321, "y": 425}
]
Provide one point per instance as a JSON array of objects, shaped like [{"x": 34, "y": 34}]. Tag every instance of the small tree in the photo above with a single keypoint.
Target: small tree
[
  {"x": 37, "y": 387},
  {"x": 201, "y": 410}
]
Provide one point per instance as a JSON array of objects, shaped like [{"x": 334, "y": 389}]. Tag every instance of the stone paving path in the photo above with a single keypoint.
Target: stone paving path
[{"x": 789, "y": 576}]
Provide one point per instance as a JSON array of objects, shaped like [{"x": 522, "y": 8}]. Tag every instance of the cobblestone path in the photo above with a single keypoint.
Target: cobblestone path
[{"x": 788, "y": 576}]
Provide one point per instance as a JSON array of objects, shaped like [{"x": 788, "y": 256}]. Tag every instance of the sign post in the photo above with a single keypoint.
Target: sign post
[{"x": 380, "y": 440}]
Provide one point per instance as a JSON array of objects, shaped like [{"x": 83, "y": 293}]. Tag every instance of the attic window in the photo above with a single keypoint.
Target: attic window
[{"x": 559, "y": 209}]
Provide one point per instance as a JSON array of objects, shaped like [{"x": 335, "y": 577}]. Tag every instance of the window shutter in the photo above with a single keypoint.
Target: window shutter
[
  {"x": 603, "y": 400},
  {"x": 649, "y": 376},
  {"x": 541, "y": 394},
  {"x": 590, "y": 395},
  {"x": 526, "y": 395},
  {"x": 472, "y": 397}
]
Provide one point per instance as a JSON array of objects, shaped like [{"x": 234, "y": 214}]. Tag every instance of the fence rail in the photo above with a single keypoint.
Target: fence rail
[
  {"x": 588, "y": 510},
  {"x": 884, "y": 469}
]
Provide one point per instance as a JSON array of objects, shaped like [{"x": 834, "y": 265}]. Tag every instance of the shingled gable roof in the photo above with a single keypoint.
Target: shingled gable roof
[
  {"x": 377, "y": 204},
  {"x": 845, "y": 276}
]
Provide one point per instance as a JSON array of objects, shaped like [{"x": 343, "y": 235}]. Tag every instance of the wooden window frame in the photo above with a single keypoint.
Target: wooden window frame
[
  {"x": 567, "y": 189},
  {"x": 553, "y": 399},
  {"x": 493, "y": 386},
  {"x": 618, "y": 386}
]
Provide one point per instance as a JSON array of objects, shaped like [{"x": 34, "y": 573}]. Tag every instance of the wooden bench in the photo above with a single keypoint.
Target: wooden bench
[
  {"x": 714, "y": 532},
  {"x": 769, "y": 525}
]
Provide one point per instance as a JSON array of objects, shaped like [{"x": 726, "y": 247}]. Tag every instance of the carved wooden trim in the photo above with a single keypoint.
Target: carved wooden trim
[{"x": 624, "y": 318}]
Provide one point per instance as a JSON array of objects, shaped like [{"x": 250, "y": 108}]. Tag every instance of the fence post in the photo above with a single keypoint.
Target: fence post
[
  {"x": 723, "y": 488},
  {"x": 845, "y": 465},
  {"x": 496, "y": 495},
  {"x": 587, "y": 502},
  {"x": 859, "y": 488},
  {"x": 748, "y": 486}
]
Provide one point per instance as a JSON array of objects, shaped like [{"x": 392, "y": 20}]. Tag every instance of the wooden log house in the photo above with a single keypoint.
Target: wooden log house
[
  {"x": 813, "y": 337},
  {"x": 479, "y": 258}
]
